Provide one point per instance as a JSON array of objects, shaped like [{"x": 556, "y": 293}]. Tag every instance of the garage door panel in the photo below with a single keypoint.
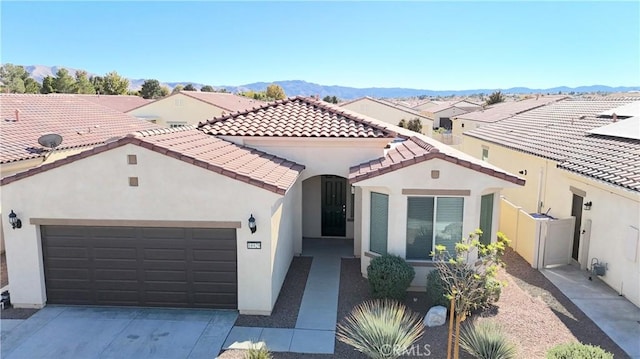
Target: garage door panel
[
  {"x": 125, "y": 285},
  {"x": 115, "y": 253},
  {"x": 174, "y": 267},
  {"x": 70, "y": 273},
  {"x": 225, "y": 277},
  {"x": 115, "y": 263},
  {"x": 213, "y": 255},
  {"x": 123, "y": 274},
  {"x": 165, "y": 254},
  {"x": 68, "y": 252},
  {"x": 163, "y": 233},
  {"x": 155, "y": 275}
]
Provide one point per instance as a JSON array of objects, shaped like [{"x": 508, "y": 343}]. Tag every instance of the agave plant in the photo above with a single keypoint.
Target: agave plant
[
  {"x": 380, "y": 328},
  {"x": 257, "y": 351},
  {"x": 485, "y": 340}
]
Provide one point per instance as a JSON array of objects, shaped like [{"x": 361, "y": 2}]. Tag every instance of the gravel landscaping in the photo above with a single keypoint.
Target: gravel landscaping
[{"x": 534, "y": 314}]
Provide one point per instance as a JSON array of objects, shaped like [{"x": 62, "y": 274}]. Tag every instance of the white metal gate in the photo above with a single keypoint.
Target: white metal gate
[{"x": 556, "y": 242}]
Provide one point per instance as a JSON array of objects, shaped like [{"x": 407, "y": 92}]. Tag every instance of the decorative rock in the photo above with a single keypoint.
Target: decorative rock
[{"x": 436, "y": 316}]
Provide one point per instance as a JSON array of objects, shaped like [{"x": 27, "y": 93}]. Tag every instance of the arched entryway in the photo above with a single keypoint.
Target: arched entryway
[{"x": 327, "y": 207}]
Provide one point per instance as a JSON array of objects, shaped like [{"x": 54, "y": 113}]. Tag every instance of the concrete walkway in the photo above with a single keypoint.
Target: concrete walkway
[
  {"x": 614, "y": 314},
  {"x": 315, "y": 327},
  {"x": 104, "y": 332}
]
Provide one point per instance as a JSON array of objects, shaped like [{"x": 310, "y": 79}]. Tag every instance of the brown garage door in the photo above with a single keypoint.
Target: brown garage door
[{"x": 133, "y": 266}]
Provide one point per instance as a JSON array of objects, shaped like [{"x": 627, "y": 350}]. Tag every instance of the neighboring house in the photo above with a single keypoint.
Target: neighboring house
[
  {"x": 191, "y": 107},
  {"x": 82, "y": 125},
  {"x": 388, "y": 112},
  {"x": 581, "y": 159},
  {"x": 431, "y": 103},
  {"x": 500, "y": 111},
  {"x": 170, "y": 223},
  {"x": 442, "y": 114},
  {"x": 122, "y": 103}
]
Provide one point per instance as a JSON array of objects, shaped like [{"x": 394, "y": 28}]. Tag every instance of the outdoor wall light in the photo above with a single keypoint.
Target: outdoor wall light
[
  {"x": 14, "y": 220},
  {"x": 587, "y": 206},
  {"x": 252, "y": 224},
  {"x": 523, "y": 172}
]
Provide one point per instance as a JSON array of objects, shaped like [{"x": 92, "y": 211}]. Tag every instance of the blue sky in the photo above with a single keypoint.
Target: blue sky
[{"x": 427, "y": 45}]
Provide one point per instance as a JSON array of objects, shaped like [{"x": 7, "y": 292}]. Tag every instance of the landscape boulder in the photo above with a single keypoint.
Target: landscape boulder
[{"x": 436, "y": 316}]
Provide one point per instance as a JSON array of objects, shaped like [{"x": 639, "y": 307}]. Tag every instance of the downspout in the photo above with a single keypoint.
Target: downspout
[{"x": 539, "y": 199}]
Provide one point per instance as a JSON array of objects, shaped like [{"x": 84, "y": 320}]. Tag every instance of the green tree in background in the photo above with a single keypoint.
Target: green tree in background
[
  {"x": 177, "y": 89},
  {"x": 190, "y": 87},
  {"x": 114, "y": 84},
  {"x": 151, "y": 89},
  {"x": 164, "y": 91},
  {"x": 207, "y": 88},
  {"x": 31, "y": 86},
  {"x": 82, "y": 84},
  {"x": 13, "y": 78},
  {"x": 48, "y": 85},
  {"x": 414, "y": 125},
  {"x": 275, "y": 92},
  {"x": 330, "y": 99},
  {"x": 98, "y": 84},
  {"x": 495, "y": 97},
  {"x": 63, "y": 82}
]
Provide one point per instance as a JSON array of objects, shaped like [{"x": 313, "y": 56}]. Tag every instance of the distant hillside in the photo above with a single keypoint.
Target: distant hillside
[{"x": 303, "y": 88}]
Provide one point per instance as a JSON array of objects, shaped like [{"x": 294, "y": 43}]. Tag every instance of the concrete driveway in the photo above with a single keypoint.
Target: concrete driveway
[{"x": 101, "y": 332}]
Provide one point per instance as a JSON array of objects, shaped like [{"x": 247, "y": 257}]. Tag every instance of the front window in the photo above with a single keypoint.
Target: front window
[
  {"x": 379, "y": 226},
  {"x": 432, "y": 221}
]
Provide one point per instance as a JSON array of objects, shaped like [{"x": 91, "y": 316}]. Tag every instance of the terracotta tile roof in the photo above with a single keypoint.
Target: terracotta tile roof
[
  {"x": 408, "y": 110},
  {"x": 504, "y": 110},
  {"x": 297, "y": 117},
  {"x": 80, "y": 123},
  {"x": 559, "y": 132},
  {"x": 187, "y": 144},
  {"x": 416, "y": 150},
  {"x": 226, "y": 101},
  {"x": 122, "y": 103}
]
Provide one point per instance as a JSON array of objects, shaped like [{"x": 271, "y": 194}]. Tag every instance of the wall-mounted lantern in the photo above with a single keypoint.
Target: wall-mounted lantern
[
  {"x": 587, "y": 206},
  {"x": 14, "y": 220},
  {"x": 252, "y": 224},
  {"x": 523, "y": 172}
]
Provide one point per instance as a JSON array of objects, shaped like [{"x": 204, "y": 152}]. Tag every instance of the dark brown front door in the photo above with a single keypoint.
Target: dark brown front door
[
  {"x": 135, "y": 266},
  {"x": 334, "y": 206},
  {"x": 576, "y": 211}
]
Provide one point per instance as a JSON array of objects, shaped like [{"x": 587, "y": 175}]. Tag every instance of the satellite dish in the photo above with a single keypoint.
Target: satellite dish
[{"x": 50, "y": 140}]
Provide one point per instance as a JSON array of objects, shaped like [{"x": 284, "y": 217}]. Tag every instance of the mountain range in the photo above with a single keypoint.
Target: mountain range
[{"x": 303, "y": 88}]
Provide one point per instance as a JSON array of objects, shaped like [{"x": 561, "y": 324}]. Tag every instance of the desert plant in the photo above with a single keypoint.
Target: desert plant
[
  {"x": 257, "y": 351},
  {"x": 578, "y": 350},
  {"x": 485, "y": 340},
  {"x": 389, "y": 277},
  {"x": 380, "y": 328}
]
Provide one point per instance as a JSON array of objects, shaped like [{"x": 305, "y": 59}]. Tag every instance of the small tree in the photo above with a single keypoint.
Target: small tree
[
  {"x": 495, "y": 97},
  {"x": 82, "y": 84},
  {"x": 177, "y": 89},
  {"x": 330, "y": 99},
  {"x": 48, "y": 85},
  {"x": 31, "y": 86},
  {"x": 465, "y": 280},
  {"x": 207, "y": 88},
  {"x": 414, "y": 124},
  {"x": 275, "y": 92},
  {"x": 151, "y": 89},
  {"x": 63, "y": 82},
  {"x": 190, "y": 87},
  {"x": 114, "y": 84}
]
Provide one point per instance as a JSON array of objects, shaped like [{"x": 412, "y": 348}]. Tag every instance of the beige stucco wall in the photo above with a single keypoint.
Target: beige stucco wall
[
  {"x": 452, "y": 177},
  {"x": 177, "y": 108},
  {"x": 450, "y": 112},
  {"x": 320, "y": 156},
  {"x": 387, "y": 114},
  {"x": 469, "y": 125},
  {"x": 616, "y": 210},
  {"x": 97, "y": 187}
]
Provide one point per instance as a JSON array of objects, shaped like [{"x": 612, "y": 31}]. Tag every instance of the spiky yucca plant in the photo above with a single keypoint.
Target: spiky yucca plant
[
  {"x": 380, "y": 328},
  {"x": 485, "y": 340},
  {"x": 257, "y": 351}
]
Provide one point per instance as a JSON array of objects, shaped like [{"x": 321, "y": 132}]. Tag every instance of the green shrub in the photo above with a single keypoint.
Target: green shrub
[
  {"x": 257, "y": 351},
  {"x": 389, "y": 277},
  {"x": 381, "y": 328},
  {"x": 578, "y": 350},
  {"x": 485, "y": 340},
  {"x": 436, "y": 292}
]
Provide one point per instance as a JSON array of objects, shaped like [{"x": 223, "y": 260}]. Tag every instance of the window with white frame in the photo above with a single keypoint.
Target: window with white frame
[
  {"x": 379, "y": 225},
  {"x": 433, "y": 221}
]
